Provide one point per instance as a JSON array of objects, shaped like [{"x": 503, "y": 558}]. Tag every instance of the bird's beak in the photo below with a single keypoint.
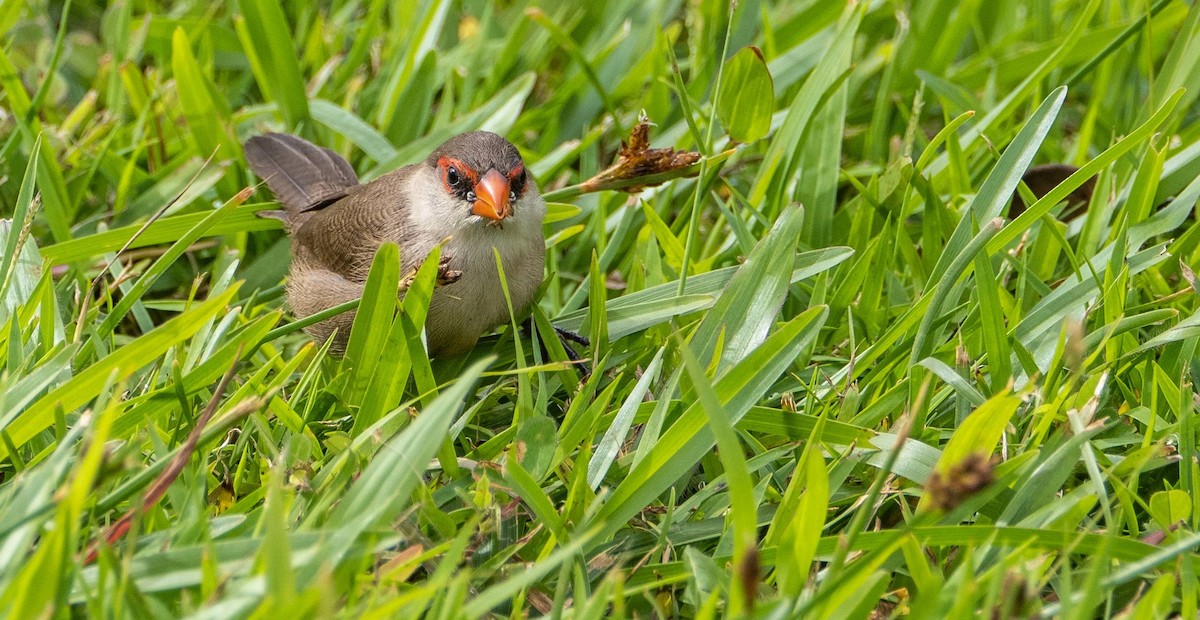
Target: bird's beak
[{"x": 491, "y": 197}]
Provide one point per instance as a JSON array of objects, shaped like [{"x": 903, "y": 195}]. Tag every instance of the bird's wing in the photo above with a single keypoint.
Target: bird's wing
[
  {"x": 343, "y": 236},
  {"x": 304, "y": 176}
]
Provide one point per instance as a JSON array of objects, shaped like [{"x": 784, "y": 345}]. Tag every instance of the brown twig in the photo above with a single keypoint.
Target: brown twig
[
  {"x": 164, "y": 480},
  {"x": 638, "y": 166}
]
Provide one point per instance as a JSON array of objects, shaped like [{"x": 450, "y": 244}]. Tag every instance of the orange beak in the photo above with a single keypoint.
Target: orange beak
[{"x": 491, "y": 197}]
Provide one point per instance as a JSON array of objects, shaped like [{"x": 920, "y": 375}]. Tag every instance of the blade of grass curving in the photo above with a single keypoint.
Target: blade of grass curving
[
  {"x": 1040, "y": 208},
  {"x": 746, "y": 309},
  {"x": 742, "y": 509},
  {"x": 21, "y": 211},
  {"x": 265, "y": 36},
  {"x": 375, "y": 315},
  {"x": 606, "y": 451},
  {"x": 121, "y": 363},
  {"x": 385, "y": 487},
  {"x": 688, "y": 439},
  {"x": 355, "y": 129},
  {"x": 1000, "y": 184}
]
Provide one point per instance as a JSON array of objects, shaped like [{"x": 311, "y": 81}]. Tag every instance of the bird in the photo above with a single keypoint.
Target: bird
[{"x": 473, "y": 195}]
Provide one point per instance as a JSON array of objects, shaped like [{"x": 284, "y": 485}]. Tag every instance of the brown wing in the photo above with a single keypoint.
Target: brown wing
[{"x": 343, "y": 236}]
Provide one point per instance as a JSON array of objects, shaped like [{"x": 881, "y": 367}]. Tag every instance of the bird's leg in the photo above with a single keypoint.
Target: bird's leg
[
  {"x": 570, "y": 336},
  {"x": 565, "y": 338}
]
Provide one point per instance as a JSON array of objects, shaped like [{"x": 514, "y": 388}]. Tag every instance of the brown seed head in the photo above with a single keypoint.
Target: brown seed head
[{"x": 961, "y": 481}]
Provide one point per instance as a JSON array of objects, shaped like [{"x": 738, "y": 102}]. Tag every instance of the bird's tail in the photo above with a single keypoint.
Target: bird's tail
[{"x": 304, "y": 176}]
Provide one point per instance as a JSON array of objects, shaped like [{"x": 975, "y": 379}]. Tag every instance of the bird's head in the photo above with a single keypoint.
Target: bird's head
[{"x": 482, "y": 177}]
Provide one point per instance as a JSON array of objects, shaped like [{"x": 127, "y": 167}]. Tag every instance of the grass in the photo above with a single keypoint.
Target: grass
[{"x": 831, "y": 377}]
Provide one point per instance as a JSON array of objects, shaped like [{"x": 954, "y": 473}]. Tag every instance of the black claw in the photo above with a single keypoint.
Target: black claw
[
  {"x": 565, "y": 338},
  {"x": 445, "y": 274},
  {"x": 574, "y": 357},
  {"x": 570, "y": 336}
]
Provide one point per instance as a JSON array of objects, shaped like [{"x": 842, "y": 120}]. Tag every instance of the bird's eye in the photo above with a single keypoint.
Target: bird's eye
[
  {"x": 452, "y": 176},
  {"x": 518, "y": 183}
]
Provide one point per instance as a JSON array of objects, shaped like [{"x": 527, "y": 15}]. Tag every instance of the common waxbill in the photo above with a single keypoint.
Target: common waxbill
[{"x": 472, "y": 192}]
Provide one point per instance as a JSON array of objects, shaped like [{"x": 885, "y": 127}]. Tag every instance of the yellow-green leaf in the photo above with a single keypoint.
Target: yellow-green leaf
[
  {"x": 1170, "y": 507},
  {"x": 747, "y": 97}
]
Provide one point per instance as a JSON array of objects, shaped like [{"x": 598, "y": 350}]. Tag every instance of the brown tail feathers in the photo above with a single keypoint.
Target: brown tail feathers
[{"x": 304, "y": 176}]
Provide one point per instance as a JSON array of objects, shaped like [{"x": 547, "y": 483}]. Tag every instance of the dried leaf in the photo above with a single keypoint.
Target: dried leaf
[{"x": 637, "y": 160}]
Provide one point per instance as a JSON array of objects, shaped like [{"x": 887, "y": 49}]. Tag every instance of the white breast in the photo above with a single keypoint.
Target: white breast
[{"x": 461, "y": 312}]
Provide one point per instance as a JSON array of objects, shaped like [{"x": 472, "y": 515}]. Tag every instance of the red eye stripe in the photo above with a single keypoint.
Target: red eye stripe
[
  {"x": 516, "y": 178},
  {"x": 464, "y": 172}
]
